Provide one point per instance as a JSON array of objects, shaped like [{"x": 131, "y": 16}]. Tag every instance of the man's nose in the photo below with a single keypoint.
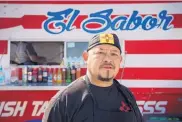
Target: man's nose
[{"x": 107, "y": 58}]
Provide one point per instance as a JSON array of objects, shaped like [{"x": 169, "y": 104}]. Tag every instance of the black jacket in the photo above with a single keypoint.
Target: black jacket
[{"x": 65, "y": 106}]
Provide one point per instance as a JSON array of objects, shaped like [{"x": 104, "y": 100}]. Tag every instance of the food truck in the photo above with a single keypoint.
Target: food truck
[{"x": 150, "y": 34}]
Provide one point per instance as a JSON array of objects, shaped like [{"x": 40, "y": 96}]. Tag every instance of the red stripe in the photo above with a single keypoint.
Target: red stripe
[
  {"x": 27, "y": 21},
  {"x": 3, "y": 46},
  {"x": 10, "y": 22},
  {"x": 86, "y": 2},
  {"x": 148, "y": 73},
  {"x": 35, "y": 21},
  {"x": 169, "y": 91},
  {"x": 153, "y": 46}
]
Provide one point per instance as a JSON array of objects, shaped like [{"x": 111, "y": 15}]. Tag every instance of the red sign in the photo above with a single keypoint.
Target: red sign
[
  {"x": 3, "y": 47},
  {"x": 29, "y": 105}
]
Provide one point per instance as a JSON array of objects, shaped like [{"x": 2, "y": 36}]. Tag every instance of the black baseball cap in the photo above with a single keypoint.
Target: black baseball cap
[{"x": 104, "y": 38}]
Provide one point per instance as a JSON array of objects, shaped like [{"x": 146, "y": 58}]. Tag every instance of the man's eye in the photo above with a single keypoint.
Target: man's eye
[
  {"x": 114, "y": 54},
  {"x": 99, "y": 52}
]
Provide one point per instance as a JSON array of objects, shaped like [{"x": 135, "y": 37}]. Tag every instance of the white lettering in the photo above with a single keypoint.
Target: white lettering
[
  {"x": 159, "y": 107},
  {"x": 36, "y": 106},
  {"x": 12, "y": 108},
  {"x": 9, "y": 109},
  {"x": 140, "y": 103},
  {"x": 152, "y": 107},
  {"x": 148, "y": 107},
  {"x": 1, "y": 106},
  {"x": 20, "y": 109},
  {"x": 43, "y": 108}
]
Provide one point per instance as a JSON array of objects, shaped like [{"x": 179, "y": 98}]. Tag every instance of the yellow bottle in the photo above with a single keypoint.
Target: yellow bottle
[
  {"x": 62, "y": 63},
  {"x": 59, "y": 76}
]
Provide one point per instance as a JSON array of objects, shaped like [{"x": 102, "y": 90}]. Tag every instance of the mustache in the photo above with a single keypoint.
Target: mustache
[{"x": 107, "y": 64}]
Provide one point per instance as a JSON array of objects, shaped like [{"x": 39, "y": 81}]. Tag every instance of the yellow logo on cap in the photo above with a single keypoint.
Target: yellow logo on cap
[{"x": 106, "y": 38}]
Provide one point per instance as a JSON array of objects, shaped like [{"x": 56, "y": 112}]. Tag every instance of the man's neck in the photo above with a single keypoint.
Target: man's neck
[{"x": 99, "y": 83}]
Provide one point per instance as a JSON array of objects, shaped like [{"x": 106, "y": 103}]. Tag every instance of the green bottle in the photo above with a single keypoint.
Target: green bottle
[{"x": 68, "y": 74}]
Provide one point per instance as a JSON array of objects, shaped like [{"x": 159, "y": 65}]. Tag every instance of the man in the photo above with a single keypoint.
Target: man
[
  {"x": 26, "y": 55},
  {"x": 97, "y": 96}
]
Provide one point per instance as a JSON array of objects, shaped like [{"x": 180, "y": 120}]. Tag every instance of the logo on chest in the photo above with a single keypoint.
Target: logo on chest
[{"x": 124, "y": 107}]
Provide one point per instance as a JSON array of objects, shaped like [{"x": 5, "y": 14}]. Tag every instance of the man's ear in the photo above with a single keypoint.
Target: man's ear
[
  {"x": 85, "y": 56},
  {"x": 121, "y": 58}
]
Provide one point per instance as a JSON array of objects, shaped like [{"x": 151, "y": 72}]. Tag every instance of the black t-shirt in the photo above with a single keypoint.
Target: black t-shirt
[
  {"x": 108, "y": 98},
  {"x": 111, "y": 105},
  {"x": 84, "y": 102}
]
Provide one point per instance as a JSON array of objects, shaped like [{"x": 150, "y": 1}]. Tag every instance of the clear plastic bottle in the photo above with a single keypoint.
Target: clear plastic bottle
[
  {"x": 45, "y": 75},
  {"x": 29, "y": 77},
  {"x": 7, "y": 75},
  {"x": 24, "y": 75},
  {"x": 2, "y": 78},
  {"x": 14, "y": 75},
  {"x": 50, "y": 75}
]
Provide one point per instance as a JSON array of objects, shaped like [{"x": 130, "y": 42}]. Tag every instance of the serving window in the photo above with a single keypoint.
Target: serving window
[{"x": 21, "y": 52}]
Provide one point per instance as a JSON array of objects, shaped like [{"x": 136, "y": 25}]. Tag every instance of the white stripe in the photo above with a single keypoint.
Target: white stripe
[
  {"x": 5, "y": 61},
  {"x": 29, "y": 88},
  {"x": 79, "y": 35},
  {"x": 6, "y": 34},
  {"x": 5, "y": 58},
  {"x": 141, "y": 60},
  {"x": 152, "y": 83},
  {"x": 18, "y": 10},
  {"x": 127, "y": 83},
  {"x": 154, "y": 60}
]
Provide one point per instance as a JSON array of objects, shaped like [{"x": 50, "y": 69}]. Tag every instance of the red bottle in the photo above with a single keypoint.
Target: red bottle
[
  {"x": 34, "y": 75},
  {"x": 40, "y": 75},
  {"x": 29, "y": 77},
  {"x": 78, "y": 71}
]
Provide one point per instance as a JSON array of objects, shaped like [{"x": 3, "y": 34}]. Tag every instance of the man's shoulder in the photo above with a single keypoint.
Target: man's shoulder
[
  {"x": 75, "y": 90},
  {"x": 122, "y": 87},
  {"x": 76, "y": 86}
]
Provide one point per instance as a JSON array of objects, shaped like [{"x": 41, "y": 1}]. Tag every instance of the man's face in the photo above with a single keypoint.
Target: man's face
[{"x": 103, "y": 62}]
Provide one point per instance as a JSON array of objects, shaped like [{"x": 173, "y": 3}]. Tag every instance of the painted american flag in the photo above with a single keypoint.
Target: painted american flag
[{"x": 153, "y": 58}]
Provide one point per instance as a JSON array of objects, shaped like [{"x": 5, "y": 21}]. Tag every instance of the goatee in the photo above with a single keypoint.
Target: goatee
[{"x": 106, "y": 79}]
